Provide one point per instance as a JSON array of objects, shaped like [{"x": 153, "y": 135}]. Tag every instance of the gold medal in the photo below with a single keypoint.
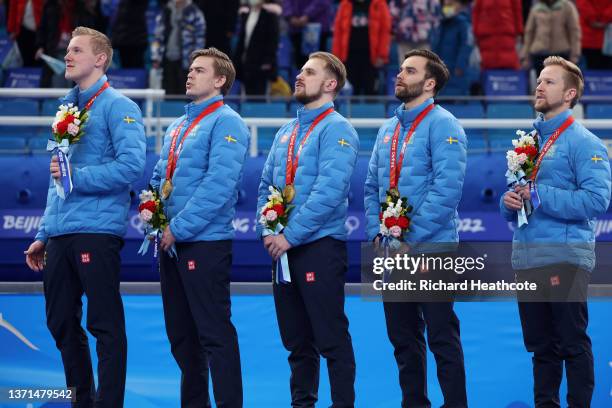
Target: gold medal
[
  {"x": 288, "y": 193},
  {"x": 166, "y": 189}
]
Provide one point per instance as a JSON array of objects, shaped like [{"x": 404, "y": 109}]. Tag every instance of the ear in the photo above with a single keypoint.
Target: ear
[
  {"x": 430, "y": 85},
  {"x": 570, "y": 94},
  {"x": 330, "y": 85},
  {"x": 220, "y": 81},
  {"x": 101, "y": 60}
]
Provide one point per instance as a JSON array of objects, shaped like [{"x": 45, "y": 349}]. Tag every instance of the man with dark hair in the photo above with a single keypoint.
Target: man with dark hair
[
  {"x": 569, "y": 188},
  {"x": 312, "y": 159},
  {"x": 198, "y": 176},
  {"x": 81, "y": 235},
  {"x": 431, "y": 177}
]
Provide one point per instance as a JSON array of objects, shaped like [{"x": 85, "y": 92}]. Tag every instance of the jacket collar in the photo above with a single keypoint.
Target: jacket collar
[
  {"x": 306, "y": 116},
  {"x": 80, "y": 98},
  {"x": 406, "y": 117},
  {"x": 192, "y": 110},
  {"x": 546, "y": 128}
]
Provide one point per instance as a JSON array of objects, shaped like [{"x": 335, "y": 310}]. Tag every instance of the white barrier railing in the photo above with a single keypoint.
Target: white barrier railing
[{"x": 154, "y": 125}]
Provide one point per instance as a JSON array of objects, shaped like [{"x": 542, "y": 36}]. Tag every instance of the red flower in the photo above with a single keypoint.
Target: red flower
[
  {"x": 530, "y": 151},
  {"x": 390, "y": 222},
  {"x": 403, "y": 222},
  {"x": 518, "y": 150},
  {"x": 149, "y": 205},
  {"x": 62, "y": 126},
  {"x": 280, "y": 210}
]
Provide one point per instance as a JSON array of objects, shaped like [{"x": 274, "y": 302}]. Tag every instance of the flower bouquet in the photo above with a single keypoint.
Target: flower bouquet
[
  {"x": 151, "y": 213},
  {"x": 521, "y": 162},
  {"x": 67, "y": 128},
  {"x": 274, "y": 217},
  {"x": 394, "y": 220}
]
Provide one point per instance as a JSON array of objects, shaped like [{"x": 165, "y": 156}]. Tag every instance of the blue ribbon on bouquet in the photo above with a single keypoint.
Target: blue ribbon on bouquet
[
  {"x": 512, "y": 179},
  {"x": 154, "y": 235},
  {"x": 283, "y": 263},
  {"x": 63, "y": 186},
  {"x": 389, "y": 243}
]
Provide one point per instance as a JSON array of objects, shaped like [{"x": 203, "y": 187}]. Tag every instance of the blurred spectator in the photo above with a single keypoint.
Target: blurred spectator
[
  {"x": 58, "y": 19},
  {"x": 362, "y": 35},
  {"x": 552, "y": 29},
  {"x": 255, "y": 56},
  {"x": 454, "y": 43},
  {"x": 179, "y": 30},
  {"x": 300, "y": 13},
  {"x": 221, "y": 16},
  {"x": 129, "y": 32},
  {"x": 498, "y": 24},
  {"x": 23, "y": 20},
  {"x": 413, "y": 23},
  {"x": 595, "y": 15}
]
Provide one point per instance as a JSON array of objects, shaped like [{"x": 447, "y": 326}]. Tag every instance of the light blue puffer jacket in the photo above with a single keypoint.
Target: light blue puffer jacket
[
  {"x": 322, "y": 178},
  {"x": 110, "y": 156},
  {"x": 431, "y": 177},
  {"x": 574, "y": 187},
  {"x": 208, "y": 173}
]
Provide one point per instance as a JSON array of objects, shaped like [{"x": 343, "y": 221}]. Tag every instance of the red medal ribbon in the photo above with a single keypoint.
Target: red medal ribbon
[
  {"x": 536, "y": 168},
  {"x": 172, "y": 159},
  {"x": 93, "y": 98},
  {"x": 292, "y": 164},
  {"x": 395, "y": 164}
]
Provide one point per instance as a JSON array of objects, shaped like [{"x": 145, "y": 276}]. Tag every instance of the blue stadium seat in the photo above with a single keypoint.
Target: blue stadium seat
[
  {"x": 265, "y": 137},
  {"x": 367, "y": 110},
  {"x": 466, "y": 110},
  {"x": 367, "y": 140},
  {"x": 172, "y": 109},
  {"x": 505, "y": 110},
  {"x": 18, "y": 107},
  {"x": 38, "y": 145},
  {"x": 263, "y": 109},
  {"x": 12, "y": 145},
  {"x": 599, "y": 111}
]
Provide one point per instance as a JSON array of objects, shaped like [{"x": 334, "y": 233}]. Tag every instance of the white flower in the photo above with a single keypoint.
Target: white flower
[
  {"x": 76, "y": 122},
  {"x": 527, "y": 141},
  {"x": 271, "y": 216},
  {"x": 73, "y": 129},
  {"x": 70, "y": 105},
  {"x": 262, "y": 220},
  {"x": 76, "y": 114},
  {"x": 515, "y": 142},
  {"x": 395, "y": 231},
  {"x": 145, "y": 195},
  {"x": 388, "y": 213},
  {"x": 513, "y": 163},
  {"x": 522, "y": 158},
  {"x": 146, "y": 215},
  {"x": 63, "y": 108},
  {"x": 520, "y": 133}
]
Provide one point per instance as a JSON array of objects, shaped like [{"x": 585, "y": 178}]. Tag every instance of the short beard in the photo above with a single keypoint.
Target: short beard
[
  {"x": 547, "y": 107},
  {"x": 410, "y": 92},
  {"x": 305, "y": 98}
]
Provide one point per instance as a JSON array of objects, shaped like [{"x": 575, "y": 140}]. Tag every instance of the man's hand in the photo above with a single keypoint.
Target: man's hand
[
  {"x": 35, "y": 256},
  {"x": 513, "y": 201},
  {"x": 267, "y": 241},
  {"x": 278, "y": 246},
  {"x": 54, "y": 168},
  {"x": 523, "y": 191},
  {"x": 167, "y": 239}
]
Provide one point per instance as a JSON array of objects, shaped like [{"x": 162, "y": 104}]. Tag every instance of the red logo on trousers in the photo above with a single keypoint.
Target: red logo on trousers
[
  {"x": 310, "y": 276},
  {"x": 191, "y": 265},
  {"x": 85, "y": 258},
  {"x": 555, "y": 281}
]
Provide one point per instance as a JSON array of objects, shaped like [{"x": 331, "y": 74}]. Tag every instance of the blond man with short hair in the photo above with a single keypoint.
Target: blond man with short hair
[
  {"x": 568, "y": 190},
  {"x": 82, "y": 233}
]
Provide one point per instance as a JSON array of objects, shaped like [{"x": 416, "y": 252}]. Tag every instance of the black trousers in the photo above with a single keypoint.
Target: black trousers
[
  {"x": 555, "y": 332},
  {"x": 311, "y": 319},
  {"x": 90, "y": 264},
  {"x": 406, "y": 324},
  {"x": 197, "y": 311}
]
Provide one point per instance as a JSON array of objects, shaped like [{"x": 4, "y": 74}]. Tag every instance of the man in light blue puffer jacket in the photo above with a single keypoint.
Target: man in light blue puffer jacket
[
  {"x": 556, "y": 248},
  {"x": 310, "y": 308},
  {"x": 82, "y": 235},
  {"x": 210, "y": 144},
  {"x": 431, "y": 178}
]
